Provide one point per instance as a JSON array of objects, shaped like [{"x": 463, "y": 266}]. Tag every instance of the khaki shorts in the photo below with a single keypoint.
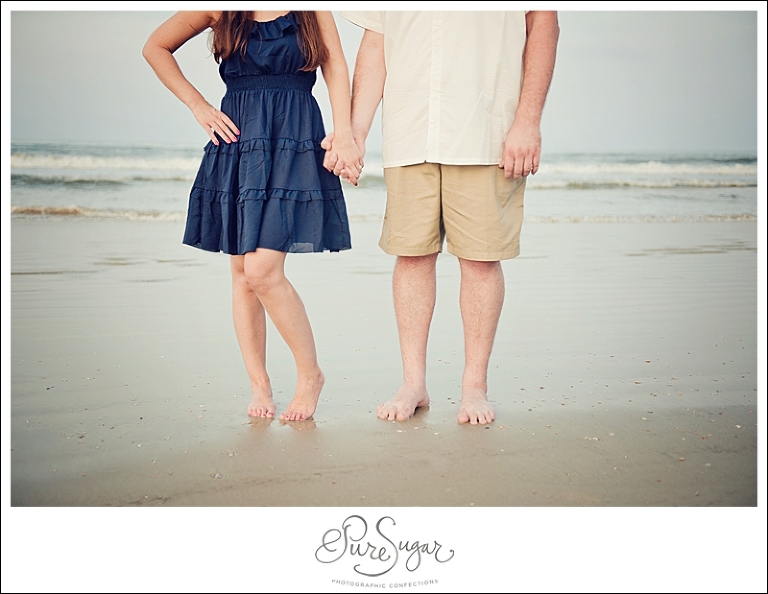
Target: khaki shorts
[{"x": 474, "y": 207}]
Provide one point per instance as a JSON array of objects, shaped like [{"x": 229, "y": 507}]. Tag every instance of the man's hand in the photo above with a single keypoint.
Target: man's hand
[
  {"x": 336, "y": 166},
  {"x": 522, "y": 150},
  {"x": 522, "y": 146}
]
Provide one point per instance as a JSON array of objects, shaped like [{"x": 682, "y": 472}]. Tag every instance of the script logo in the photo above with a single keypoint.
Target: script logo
[{"x": 376, "y": 552}]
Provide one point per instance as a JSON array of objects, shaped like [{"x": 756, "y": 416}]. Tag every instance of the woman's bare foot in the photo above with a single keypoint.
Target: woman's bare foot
[
  {"x": 306, "y": 425},
  {"x": 475, "y": 408},
  {"x": 404, "y": 404},
  {"x": 304, "y": 402},
  {"x": 261, "y": 402}
]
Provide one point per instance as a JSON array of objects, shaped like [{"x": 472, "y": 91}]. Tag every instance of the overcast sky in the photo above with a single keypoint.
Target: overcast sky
[{"x": 623, "y": 80}]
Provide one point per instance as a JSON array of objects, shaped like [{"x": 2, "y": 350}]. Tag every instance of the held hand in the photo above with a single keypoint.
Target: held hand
[
  {"x": 349, "y": 164},
  {"x": 329, "y": 161},
  {"x": 343, "y": 157},
  {"x": 214, "y": 122},
  {"x": 360, "y": 144},
  {"x": 522, "y": 150}
]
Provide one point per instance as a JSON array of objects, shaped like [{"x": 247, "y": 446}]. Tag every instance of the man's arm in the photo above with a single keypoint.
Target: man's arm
[
  {"x": 367, "y": 84},
  {"x": 367, "y": 91},
  {"x": 522, "y": 146}
]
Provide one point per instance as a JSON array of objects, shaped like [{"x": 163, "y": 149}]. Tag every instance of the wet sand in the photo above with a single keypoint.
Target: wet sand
[{"x": 624, "y": 374}]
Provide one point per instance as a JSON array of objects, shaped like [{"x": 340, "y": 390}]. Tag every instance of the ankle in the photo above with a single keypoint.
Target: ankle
[
  {"x": 468, "y": 386},
  {"x": 261, "y": 385},
  {"x": 311, "y": 375}
]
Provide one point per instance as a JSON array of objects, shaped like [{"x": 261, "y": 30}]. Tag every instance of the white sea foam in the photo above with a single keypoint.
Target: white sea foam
[
  {"x": 81, "y": 179},
  {"x": 642, "y": 218},
  {"x": 95, "y": 213},
  {"x": 649, "y": 167},
  {"x": 593, "y": 184},
  {"x": 137, "y": 215},
  {"x": 152, "y": 183},
  {"x": 28, "y": 161}
]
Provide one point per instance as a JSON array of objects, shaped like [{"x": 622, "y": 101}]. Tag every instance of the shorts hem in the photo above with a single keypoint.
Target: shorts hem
[
  {"x": 410, "y": 251},
  {"x": 484, "y": 256}
]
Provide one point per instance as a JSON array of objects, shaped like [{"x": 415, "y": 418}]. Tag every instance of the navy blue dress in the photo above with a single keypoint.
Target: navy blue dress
[{"x": 268, "y": 189}]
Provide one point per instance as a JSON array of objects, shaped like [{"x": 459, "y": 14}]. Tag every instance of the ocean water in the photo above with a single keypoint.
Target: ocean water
[{"x": 153, "y": 182}]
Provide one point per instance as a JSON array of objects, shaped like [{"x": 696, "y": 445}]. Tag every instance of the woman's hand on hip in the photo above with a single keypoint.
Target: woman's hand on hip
[{"x": 215, "y": 121}]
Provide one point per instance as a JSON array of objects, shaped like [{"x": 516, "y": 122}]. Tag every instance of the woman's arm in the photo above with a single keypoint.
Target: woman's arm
[
  {"x": 336, "y": 77},
  {"x": 158, "y": 51}
]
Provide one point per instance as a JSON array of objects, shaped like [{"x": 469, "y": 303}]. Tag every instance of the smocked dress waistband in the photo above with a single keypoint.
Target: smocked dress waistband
[{"x": 303, "y": 81}]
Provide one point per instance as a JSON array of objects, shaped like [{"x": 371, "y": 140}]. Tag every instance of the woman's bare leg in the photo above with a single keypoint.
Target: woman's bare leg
[
  {"x": 251, "y": 330},
  {"x": 265, "y": 275}
]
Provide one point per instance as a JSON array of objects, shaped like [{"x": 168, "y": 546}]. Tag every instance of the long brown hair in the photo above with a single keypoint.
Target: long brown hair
[{"x": 234, "y": 27}]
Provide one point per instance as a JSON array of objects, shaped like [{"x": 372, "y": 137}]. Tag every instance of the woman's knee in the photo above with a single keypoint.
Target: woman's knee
[
  {"x": 239, "y": 278},
  {"x": 263, "y": 274}
]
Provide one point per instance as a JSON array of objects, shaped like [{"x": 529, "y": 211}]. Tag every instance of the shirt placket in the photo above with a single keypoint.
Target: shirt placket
[{"x": 435, "y": 91}]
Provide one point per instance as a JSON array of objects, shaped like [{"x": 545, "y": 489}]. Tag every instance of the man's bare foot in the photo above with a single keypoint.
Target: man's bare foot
[
  {"x": 305, "y": 399},
  {"x": 261, "y": 402},
  {"x": 475, "y": 408},
  {"x": 404, "y": 404}
]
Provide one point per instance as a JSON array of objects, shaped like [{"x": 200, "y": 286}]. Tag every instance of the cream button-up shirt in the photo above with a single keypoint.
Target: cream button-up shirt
[{"x": 453, "y": 83}]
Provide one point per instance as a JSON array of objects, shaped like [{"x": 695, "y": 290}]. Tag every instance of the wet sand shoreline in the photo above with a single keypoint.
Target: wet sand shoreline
[{"x": 624, "y": 374}]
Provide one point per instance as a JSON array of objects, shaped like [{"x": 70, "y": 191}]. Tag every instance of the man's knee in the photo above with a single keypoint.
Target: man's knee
[
  {"x": 417, "y": 262},
  {"x": 479, "y": 267}
]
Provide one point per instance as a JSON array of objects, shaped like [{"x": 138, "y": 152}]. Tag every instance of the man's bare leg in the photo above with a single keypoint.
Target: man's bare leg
[
  {"x": 413, "y": 285},
  {"x": 251, "y": 331},
  {"x": 481, "y": 298}
]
